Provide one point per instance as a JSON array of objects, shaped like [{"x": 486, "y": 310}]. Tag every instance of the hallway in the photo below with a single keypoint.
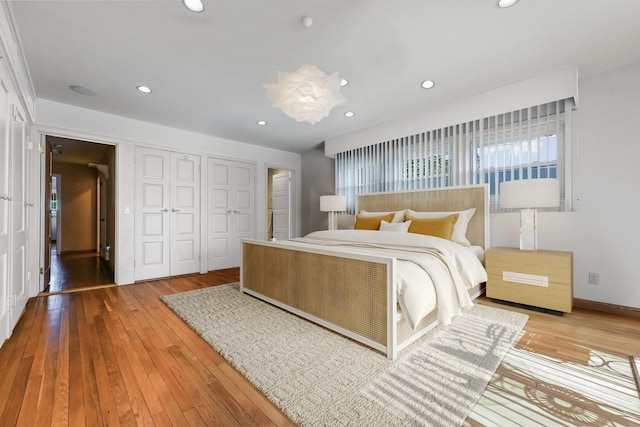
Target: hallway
[{"x": 78, "y": 270}]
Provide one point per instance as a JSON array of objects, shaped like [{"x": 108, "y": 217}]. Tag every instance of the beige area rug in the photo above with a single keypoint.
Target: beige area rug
[{"x": 318, "y": 377}]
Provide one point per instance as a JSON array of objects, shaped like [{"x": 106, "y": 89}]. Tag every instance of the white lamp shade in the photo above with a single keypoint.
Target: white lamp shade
[
  {"x": 530, "y": 193},
  {"x": 333, "y": 203}
]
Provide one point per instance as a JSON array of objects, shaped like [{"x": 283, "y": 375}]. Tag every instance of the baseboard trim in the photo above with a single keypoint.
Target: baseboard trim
[{"x": 606, "y": 308}]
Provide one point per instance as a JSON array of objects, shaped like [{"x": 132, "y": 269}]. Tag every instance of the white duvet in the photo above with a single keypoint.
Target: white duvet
[{"x": 432, "y": 272}]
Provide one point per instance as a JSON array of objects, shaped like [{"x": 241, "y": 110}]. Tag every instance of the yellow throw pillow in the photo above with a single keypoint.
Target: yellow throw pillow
[
  {"x": 371, "y": 222},
  {"x": 438, "y": 227}
]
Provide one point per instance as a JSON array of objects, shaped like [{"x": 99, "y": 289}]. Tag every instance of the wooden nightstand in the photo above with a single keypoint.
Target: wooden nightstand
[{"x": 536, "y": 278}]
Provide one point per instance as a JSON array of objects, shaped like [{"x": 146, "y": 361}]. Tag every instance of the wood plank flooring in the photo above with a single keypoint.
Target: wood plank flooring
[
  {"x": 118, "y": 356},
  {"x": 77, "y": 270}
]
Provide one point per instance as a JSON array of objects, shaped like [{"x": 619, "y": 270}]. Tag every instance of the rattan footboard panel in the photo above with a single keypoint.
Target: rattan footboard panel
[{"x": 350, "y": 293}]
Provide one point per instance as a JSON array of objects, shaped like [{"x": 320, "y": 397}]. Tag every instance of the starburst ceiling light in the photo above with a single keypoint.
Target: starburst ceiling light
[{"x": 307, "y": 94}]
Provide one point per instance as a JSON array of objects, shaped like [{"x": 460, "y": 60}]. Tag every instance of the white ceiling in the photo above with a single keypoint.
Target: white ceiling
[{"x": 207, "y": 70}]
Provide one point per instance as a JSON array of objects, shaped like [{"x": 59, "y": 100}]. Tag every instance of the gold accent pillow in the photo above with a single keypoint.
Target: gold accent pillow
[
  {"x": 438, "y": 227},
  {"x": 371, "y": 222}
]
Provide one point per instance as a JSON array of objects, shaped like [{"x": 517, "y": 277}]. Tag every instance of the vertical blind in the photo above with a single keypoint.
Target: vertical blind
[{"x": 529, "y": 143}]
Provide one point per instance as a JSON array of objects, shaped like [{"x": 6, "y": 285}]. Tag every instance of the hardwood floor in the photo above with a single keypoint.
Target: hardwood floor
[
  {"x": 118, "y": 356},
  {"x": 77, "y": 270}
]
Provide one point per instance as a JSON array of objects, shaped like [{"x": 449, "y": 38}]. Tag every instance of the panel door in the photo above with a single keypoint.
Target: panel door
[
  {"x": 5, "y": 236},
  {"x": 152, "y": 217},
  {"x": 219, "y": 213},
  {"x": 185, "y": 214},
  {"x": 281, "y": 205},
  {"x": 19, "y": 220},
  {"x": 230, "y": 211},
  {"x": 244, "y": 215}
]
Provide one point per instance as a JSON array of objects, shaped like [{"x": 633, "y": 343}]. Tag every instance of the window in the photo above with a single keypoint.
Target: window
[
  {"x": 524, "y": 144},
  {"x": 53, "y": 202}
]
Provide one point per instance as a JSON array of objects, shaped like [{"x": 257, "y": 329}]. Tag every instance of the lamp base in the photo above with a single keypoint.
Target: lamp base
[
  {"x": 528, "y": 230},
  {"x": 333, "y": 221}
]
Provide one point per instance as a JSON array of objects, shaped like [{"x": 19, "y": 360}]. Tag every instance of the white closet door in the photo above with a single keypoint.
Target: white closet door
[
  {"x": 185, "y": 214},
  {"x": 244, "y": 223},
  {"x": 281, "y": 184},
  {"x": 152, "y": 231},
  {"x": 231, "y": 210},
  {"x": 5, "y": 184},
  {"x": 19, "y": 231},
  {"x": 220, "y": 214}
]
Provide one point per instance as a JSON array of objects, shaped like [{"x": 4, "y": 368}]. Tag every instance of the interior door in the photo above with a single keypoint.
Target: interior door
[
  {"x": 244, "y": 224},
  {"x": 98, "y": 241},
  {"x": 185, "y": 214},
  {"x": 230, "y": 211},
  {"x": 102, "y": 216},
  {"x": 152, "y": 228},
  {"x": 5, "y": 175},
  {"x": 19, "y": 221},
  {"x": 281, "y": 205}
]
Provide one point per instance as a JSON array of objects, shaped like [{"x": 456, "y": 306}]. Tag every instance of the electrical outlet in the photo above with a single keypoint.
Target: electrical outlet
[{"x": 594, "y": 278}]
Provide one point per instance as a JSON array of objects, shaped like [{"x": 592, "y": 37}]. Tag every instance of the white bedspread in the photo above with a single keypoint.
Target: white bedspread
[{"x": 425, "y": 264}]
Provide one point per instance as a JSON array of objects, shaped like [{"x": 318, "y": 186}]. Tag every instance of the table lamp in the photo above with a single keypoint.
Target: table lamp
[
  {"x": 529, "y": 194},
  {"x": 333, "y": 204}
]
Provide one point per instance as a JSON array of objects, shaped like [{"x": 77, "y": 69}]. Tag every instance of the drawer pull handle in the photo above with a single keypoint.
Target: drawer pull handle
[{"x": 525, "y": 279}]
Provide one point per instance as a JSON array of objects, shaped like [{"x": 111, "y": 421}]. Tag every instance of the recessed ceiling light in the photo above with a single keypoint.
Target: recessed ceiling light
[
  {"x": 349, "y": 114},
  {"x": 344, "y": 82},
  {"x": 428, "y": 84},
  {"x": 143, "y": 89},
  {"x": 193, "y": 5},
  {"x": 261, "y": 123},
  {"x": 83, "y": 90},
  {"x": 505, "y": 3}
]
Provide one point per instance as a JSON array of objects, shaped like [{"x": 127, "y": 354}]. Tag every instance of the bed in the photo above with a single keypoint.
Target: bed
[{"x": 359, "y": 288}]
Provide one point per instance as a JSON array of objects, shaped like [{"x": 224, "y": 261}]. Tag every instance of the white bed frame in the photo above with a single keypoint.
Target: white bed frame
[{"x": 355, "y": 294}]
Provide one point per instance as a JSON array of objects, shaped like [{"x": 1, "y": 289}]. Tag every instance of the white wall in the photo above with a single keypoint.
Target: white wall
[
  {"x": 65, "y": 120},
  {"x": 318, "y": 179},
  {"x": 604, "y": 231}
]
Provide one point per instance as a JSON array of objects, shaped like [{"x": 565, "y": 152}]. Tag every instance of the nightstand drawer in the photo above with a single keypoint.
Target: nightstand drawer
[
  {"x": 555, "y": 296},
  {"x": 537, "y": 278},
  {"x": 555, "y": 265}
]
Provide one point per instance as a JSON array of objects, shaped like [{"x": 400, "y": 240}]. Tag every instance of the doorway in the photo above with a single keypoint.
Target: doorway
[
  {"x": 79, "y": 229},
  {"x": 279, "y": 205}
]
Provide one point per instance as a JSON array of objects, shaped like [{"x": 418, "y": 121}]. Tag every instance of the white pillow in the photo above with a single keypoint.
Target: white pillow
[
  {"x": 402, "y": 227},
  {"x": 459, "y": 228},
  {"x": 398, "y": 217}
]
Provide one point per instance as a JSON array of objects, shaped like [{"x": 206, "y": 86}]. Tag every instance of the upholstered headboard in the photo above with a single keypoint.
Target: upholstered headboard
[{"x": 440, "y": 200}]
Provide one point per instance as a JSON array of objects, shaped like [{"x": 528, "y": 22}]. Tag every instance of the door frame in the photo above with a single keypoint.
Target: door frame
[
  {"x": 98, "y": 215},
  {"x": 58, "y": 207},
  {"x": 40, "y": 134}
]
